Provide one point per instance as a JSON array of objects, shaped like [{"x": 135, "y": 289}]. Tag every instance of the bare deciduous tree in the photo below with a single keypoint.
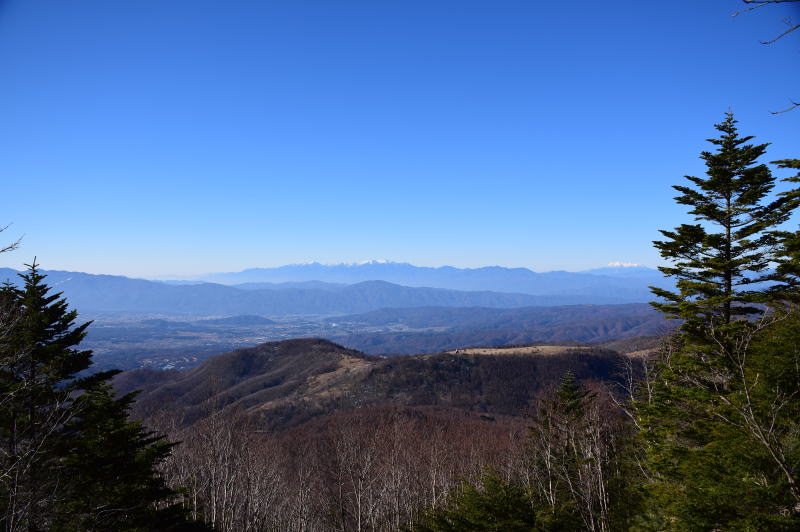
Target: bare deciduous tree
[
  {"x": 573, "y": 450},
  {"x": 371, "y": 472}
]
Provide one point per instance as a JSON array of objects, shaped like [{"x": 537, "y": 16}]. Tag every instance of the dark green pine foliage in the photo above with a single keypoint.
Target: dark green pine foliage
[
  {"x": 570, "y": 398},
  {"x": 38, "y": 364},
  {"x": 494, "y": 506},
  {"x": 72, "y": 459},
  {"x": 721, "y": 451},
  {"x": 788, "y": 261},
  {"x": 110, "y": 465},
  {"x": 717, "y": 260}
]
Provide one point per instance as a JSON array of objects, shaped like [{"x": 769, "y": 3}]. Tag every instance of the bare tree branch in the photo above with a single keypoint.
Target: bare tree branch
[
  {"x": 790, "y": 30},
  {"x": 755, "y": 4},
  {"x": 12, "y": 246},
  {"x": 794, "y": 105}
]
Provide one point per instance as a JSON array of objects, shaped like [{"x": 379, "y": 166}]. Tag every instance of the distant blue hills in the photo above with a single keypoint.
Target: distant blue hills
[
  {"x": 341, "y": 289},
  {"x": 628, "y": 282}
]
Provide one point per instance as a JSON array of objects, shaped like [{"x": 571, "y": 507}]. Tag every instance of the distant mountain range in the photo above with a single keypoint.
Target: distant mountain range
[
  {"x": 109, "y": 293},
  {"x": 351, "y": 288},
  {"x": 622, "y": 282}
]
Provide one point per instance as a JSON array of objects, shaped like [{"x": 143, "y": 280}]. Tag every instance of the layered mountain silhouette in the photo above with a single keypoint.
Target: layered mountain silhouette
[
  {"x": 515, "y": 287},
  {"x": 626, "y": 283}
]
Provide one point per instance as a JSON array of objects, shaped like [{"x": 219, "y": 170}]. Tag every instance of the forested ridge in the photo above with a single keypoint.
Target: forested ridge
[
  {"x": 287, "y": 383},
  {"x": 700, "y": 433}
]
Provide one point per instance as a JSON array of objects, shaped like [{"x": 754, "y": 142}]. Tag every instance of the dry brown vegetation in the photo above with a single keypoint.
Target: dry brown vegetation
[
  {"x": 291, "y": 382},
  {"x": 305, "y": 435},
  {"x": 523, "y": 350},
  {"x": 369, "y": 469}
]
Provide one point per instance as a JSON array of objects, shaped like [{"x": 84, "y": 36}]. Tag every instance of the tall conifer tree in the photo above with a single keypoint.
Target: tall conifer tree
[
  {"x": 38, "y": 366},
  {"x": 71, "y": 459},
  {"x": 717, "y": 260},
  {"x": 721, "y": 448}
]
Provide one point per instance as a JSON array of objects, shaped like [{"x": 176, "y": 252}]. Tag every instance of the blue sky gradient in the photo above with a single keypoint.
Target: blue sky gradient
[{"x": 149, "y": 137}]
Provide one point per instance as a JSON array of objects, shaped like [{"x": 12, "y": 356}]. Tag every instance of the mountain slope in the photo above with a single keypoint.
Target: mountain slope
[
  {"x": 289, "y": 382},
  {"x": 245, "y": 378}
]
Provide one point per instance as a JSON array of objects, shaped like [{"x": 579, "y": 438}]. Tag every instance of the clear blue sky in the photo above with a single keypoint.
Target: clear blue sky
[{"x": 156, "y": 137}]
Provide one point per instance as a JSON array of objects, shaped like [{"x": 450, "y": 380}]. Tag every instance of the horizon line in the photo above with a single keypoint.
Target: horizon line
[{"x": 198, "y": 276}]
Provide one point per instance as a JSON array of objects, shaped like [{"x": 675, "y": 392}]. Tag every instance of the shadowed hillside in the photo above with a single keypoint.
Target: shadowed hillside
[{"x": 290, "y": 382}]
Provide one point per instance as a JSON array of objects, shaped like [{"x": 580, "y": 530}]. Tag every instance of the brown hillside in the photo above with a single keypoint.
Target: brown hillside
[
  {"x": 290, "y": 382},
  {"x": 243, "y": 379}
]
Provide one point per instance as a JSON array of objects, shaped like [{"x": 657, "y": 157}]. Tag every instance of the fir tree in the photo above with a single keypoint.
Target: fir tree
[
  {"x": 71, "y": 458},
  {"x": 110, "y": 464},
  {"x": 788, "y": 259},
  {"x": 495, "y": 505},
  {"x": 718, "y": 260},
  {"x": 720, "y": 448},
  {"x": 38, "y": 366},
  {"x": 570, "y": 398}
]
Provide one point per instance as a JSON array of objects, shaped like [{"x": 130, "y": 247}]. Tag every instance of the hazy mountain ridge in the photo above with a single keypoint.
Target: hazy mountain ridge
[
  {"x": 289, "y": 284},
  {"x": 629, "y": 283},
  {"x": 109, "y": 293}
]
